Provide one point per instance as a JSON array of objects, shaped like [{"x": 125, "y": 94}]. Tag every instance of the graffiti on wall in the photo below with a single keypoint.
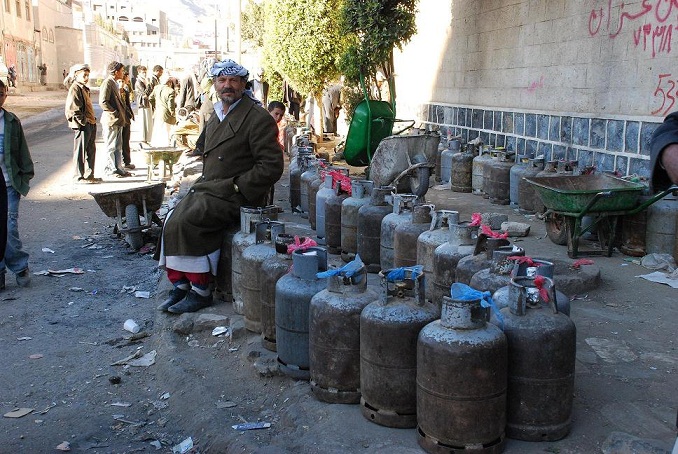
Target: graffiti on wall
[
  {"x": 651, "y": 22},
  {"x": 665, "y": 94}
]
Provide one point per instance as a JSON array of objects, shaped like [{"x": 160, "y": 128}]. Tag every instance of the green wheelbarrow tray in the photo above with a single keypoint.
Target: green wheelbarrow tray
[
  {"x": 578, "y": 194},
  {"x": 373, "y": 119}
]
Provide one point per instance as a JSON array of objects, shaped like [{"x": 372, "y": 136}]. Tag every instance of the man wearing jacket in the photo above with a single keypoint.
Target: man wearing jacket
[
  {"x": 143, "y": 89},
  {"x": 113, "y": 119},
  {"x": 664, "y": 154},
  {"x": 242, "y": 160},
  {"x": 81, "y": 119}
]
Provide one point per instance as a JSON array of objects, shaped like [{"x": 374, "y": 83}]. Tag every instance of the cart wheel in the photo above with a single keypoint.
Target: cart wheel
[
  {"x": 556, "y": 229},
  {"x": 420, "y": 177},
  {"x": 133, "y": 237}
]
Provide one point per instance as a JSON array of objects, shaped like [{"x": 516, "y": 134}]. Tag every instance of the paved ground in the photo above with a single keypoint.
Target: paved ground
[{"x": 626, "y": 372}]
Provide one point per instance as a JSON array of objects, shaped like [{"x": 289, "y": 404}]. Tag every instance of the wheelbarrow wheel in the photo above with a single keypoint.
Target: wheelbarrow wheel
[
  {"x": 419, "y": 179},
  {"x": 556, "y": 229},
  {"x": 133, "y": 236}
]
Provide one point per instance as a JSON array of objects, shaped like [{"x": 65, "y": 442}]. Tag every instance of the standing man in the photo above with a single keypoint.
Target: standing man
[
  {"x": 81, "y": 119},
  {"x": 17, "y": 169},
  {"x": 242, "y": 160},
  {"x": 143, "y": 90},
  {"x": 126, "y": 95},
  {"x": 189, "y": 92},
  {"x": 155, "y": 80},
  {"x": 113, "y": 119}
]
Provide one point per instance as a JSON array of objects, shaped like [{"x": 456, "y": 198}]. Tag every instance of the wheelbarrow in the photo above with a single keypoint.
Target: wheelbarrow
[
  {"x": 168, "y": 155},
  {"x": 603, "y": 197},
  {"x": 145, "y": 199},
  {"x": 405, "y": 162}
]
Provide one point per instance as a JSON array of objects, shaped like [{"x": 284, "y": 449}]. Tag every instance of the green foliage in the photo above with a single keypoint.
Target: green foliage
[
  {"x": 302, "y": 41},
  {"x": 275, "y": 85},
  {"x": 375, "y": 28},
  {"x": 252, "y": 26}
]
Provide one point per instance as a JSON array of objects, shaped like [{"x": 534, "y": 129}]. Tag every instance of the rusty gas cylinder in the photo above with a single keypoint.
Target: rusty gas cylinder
[
  {"x": 298, "y": 166},
  {"x": 333, "y": 219},
  {"x": 249, "y": 217},
  {"x": 307, "y": 176},
  {"x": 272, "y": 269},
  {"x": 478, "y": 169},
  {"x": 460, "y": 244},
  {"x": 370, "y": 217},
  {"x": 252, "y": 258},
  {"x": 313, "y": 189},
  {"x": 480, "y": 259},
  {"x": 499, "y": 273},
  {"x": 542, "y": 349},
  {"x": 406, "y": 235},
  {"x": 528, "y": 198},
  {"x": 461, "y": 379},
  {"x": 389, "y": 328},
  {"x": 462, "y": 169},
  {"x": 293, "y": 294},
  {"x": 334, "y": 334},
  {"x": 427, "y": 242},
  {"x": 497, "y": 178},
  {"x": 402, "y": 213},
  {"x": 360, "y": 195}
]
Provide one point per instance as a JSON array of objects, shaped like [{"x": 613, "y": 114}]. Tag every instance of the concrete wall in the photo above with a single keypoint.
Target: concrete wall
[{"x": 586, "y": 79}]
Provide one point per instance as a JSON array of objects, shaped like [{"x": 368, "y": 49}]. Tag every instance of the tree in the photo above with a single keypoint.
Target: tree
[
  {"x": 252, "y": 27},
  {"x": 302, "y": 42},
  {"x": 375, "y": 28}
]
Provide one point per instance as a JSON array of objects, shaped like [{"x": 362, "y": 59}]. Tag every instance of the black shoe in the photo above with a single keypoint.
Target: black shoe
[
  {"x": 192, "y": 303},
  {"x": 130, "y": 166},
  {"x": 23, "y": 278},
  {"x": 175, "y": 295}
]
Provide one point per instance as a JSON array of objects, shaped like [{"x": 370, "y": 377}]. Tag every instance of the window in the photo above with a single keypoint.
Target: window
[
  {"x": 123, "y": 19},
  {"x": 7, "y": 6},
  {"x": 44, "y": 33},
  {"x": 18, "y": 8},
  {"x": 51, "y": 35},
  {"x": 28, "y": 9}
]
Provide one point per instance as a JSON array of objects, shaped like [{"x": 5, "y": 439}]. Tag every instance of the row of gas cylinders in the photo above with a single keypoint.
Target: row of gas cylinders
[
  {"x": 496, "y": 173},
  {"x": 356, "y": 346}
]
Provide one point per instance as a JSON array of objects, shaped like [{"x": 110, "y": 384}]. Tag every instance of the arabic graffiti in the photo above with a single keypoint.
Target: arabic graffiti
[
  {"x": 652, "y": 22},
  {"x": 666, "y": 92},
  {"x": 534, "y": 85}
]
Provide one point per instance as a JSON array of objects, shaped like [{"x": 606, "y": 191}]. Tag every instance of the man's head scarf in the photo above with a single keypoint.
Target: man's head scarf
[{"x": 228, "y": 68}]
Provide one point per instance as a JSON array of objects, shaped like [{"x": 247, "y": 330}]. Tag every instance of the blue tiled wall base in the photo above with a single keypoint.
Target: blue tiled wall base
[{"x": 606, "y": 143}]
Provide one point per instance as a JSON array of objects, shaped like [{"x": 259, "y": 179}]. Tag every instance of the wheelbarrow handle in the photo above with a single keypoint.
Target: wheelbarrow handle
[
  {"x": 594, "y": 199},
  {"x": 673, "y": 189}
]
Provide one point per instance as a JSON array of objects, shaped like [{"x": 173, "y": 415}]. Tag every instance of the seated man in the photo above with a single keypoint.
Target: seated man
[
  {"x": 242, "y": 160},
  {"x": 664, "y": 154}
]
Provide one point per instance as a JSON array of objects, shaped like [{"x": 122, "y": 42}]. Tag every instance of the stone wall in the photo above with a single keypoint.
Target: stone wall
[{"x": 577, "y": 79}]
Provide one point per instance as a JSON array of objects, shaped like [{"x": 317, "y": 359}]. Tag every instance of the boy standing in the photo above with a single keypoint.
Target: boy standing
[
  {"x": 81, "y": 119},
  {"x": 17, "y": 170}
]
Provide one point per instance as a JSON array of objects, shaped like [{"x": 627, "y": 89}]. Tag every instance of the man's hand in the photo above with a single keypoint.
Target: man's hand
[{"x": 669, "y": 160}]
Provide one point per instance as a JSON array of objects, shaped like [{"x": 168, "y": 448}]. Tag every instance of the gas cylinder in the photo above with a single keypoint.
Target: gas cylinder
[
  {"x": 528, "y": 199},
  {"x": 223, "y": 280},
  {"x": 439, "y": 152},
  {"x": 326, "y": 191},
  {"x": 541, "y": 353},
  {"x": 499, "y": 273},
  {"x": 478, "y": 169},
  {"x": 460, "y": 244},
  {"x": 446, "y": 164},
  {"x": 568, "y": 167},
  {"x": 660, "y": 235},
  {"x": 535, "y": 267},
  {"x": 480, "y": 259},
  {"x": 313, "y": 189},
  {"x": 272, "y": 269},
  {"x": 310, "y": 174},
  {"x": 334, "y": 335},
  {"x": 298, "y": 165},
  {"x": 333, "y": 219},
  {"x": 361, "y": 191},
  {"x": 461, "y": 380},
  {"x": 293, "y": 294},
  {"x": 249, "y": 216},
  {"x": 252, "y": 258},
  {"x": 369, "y": 227},
  {"x": 516, "y": 174},
  {"x": 462, "y": 167},
  {"x": 427, "y": 242},
  {"x": 389, "y": 328},
  {"x": 406, "y": 234},
  {"x": 402, "y": 213},
  {"x": 497, "y": 178},
  {"x": 633, "y": 232}
]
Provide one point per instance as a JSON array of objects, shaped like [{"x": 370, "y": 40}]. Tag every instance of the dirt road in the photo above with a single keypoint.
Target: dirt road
[{"x": 62, "y": 336}]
